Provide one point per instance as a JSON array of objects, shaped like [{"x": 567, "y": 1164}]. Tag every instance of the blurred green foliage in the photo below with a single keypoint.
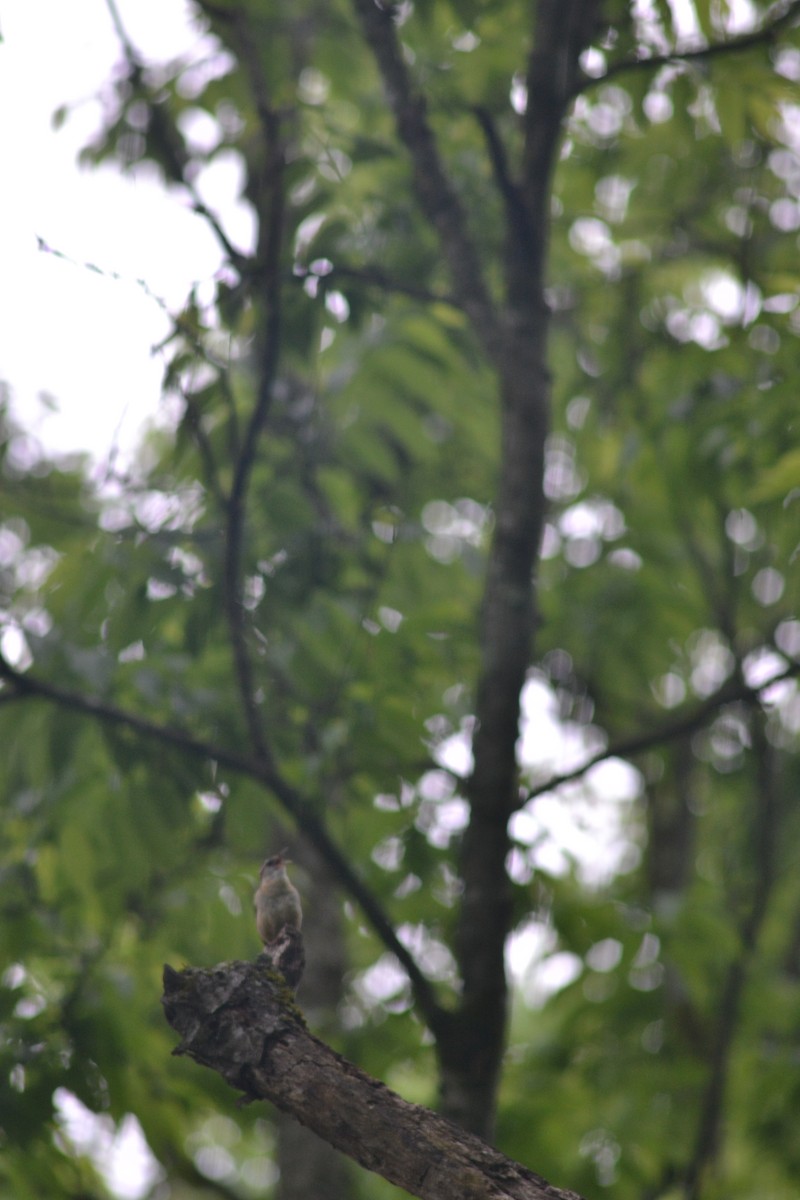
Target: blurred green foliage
[{"x": 668, "y": 572}]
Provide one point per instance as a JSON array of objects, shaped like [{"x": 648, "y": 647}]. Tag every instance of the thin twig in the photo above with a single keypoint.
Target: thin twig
[
  {"x": 517, "y": 216},
  {"x": 194, "y": 420},
  {"x": 270, "y": 244},
  {"x": 375, "y": 277},
  {"x": 240, "y": 261}
]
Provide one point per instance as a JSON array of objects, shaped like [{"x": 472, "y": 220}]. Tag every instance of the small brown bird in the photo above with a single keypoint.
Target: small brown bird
[{"x": 277, "y": 900}]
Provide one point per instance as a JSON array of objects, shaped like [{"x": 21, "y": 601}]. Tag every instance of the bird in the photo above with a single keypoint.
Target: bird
[{"x": 277, "y": 900}]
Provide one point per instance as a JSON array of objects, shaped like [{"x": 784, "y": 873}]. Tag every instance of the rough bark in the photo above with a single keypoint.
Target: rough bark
[{"x": 239, "y": 1019}]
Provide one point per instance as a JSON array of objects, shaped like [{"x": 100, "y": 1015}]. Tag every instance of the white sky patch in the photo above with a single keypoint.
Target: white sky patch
[
  {"x": 78, "y": 334},
  {"x": 725, "y": 295},
  {"x": 546, "y": 743},
  {"x": 536, "y": 966},
  {"x": 762, "y": 665},
  {"x": 386, "y": 983},
  {"x": 712, "y": 661},
  {"x": 579, "y": 829},
  {"x": 787, "y": 637},
  {"x": 81, "y": 336},
  {"x": 120, "y": 1153},
  {"x": 740, "y": 16},
  {"x": 584, "y": 825},
  {"x": 455, "y": 752},
  {"x": 684, "y": 19},
  {"x": 14, "y": 647},
  {"x": 670, "y": 690},
  {"x": 381, "y": 982}
]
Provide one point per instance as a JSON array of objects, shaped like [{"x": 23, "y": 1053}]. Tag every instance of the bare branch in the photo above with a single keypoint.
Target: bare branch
[
  {"x": 517, "y": 216},
  {"x": 780, "y": 17},
  {"x": 235, "y": 1019},
  {"x": 731, "y": 692}
]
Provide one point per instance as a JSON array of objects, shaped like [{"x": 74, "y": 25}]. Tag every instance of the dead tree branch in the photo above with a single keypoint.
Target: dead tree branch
[{"x": 238, "y": 1020}]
